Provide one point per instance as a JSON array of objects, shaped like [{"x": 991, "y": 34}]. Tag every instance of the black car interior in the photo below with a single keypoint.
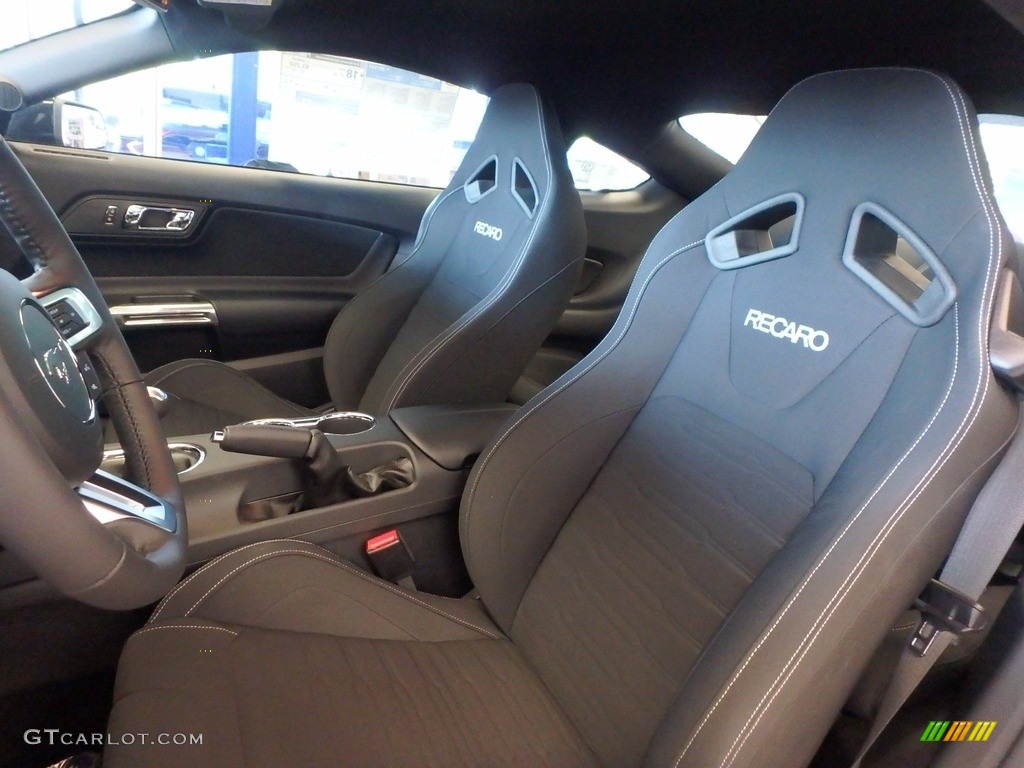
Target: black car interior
[
  {"x": 667, "y": 509},
  {"x": 508, "y": 473},
  {"x": 455, "y": 320}
]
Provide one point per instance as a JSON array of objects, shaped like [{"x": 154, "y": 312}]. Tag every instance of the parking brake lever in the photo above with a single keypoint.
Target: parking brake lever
[{"x": 321, "y": 461}]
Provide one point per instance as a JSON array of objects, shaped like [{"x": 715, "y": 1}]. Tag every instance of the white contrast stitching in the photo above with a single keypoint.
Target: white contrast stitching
[
  {"x": 496, "y": 294},
  {"x": 428, "y": 218},
  {"x": 893, "y": 520},
  {"x": 558, "y": 390},
  {"x": 225, "y": 367},
  {"x": 186, "y": 582},
  {"x": 865, "y": 558},
  {"x": 961, "y": 432},
  {"x": 333, "y": 560},
  {"x": 185, "y": 626}
]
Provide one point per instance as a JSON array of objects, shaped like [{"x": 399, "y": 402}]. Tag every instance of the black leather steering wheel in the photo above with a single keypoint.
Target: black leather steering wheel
[{"x": 97, "y": 538}]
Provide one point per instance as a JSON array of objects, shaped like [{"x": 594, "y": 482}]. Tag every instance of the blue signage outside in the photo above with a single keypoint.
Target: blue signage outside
[{"x": 396, "y": 75}]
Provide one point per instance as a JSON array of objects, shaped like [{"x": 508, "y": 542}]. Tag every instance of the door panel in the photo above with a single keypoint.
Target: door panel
[
  {"x": 277, "y": 255},
  {"x": 234, "y": 241}
]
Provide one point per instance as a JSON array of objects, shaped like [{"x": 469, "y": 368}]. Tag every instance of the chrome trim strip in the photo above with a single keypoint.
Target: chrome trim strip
[
  {"x": 192, "y": 450},
  {"x": 321, "y": 422},
  {"x": 109, "y": 498},
  {"x": 164, "y": 314}
]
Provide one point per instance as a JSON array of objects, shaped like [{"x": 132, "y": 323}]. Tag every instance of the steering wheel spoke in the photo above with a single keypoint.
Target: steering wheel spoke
[
  {"x": 109, "y": 498},
  {"x": 75, "y": 316}
]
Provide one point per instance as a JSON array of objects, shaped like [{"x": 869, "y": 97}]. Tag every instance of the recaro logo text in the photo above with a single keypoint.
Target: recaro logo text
[
  {"x": 781, "y": 328},
  {"x": 488, "y": 230}
]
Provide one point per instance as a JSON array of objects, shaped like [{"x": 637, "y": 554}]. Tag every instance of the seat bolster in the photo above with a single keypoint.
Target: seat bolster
[
  {"x": 210, "y": 394},
  {"x": 806, "y": 631},
  {"x": 297, "y": 586},
  {"x": 542, "y": 464},
  {"x": 175, "y": 675},
  {"x": 266, "y": 698}
]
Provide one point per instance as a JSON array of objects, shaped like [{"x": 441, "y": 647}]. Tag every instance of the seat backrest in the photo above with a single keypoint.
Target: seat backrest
[
  {"x": 494, "y": 265},
  {"x": 698, "y": 535}
]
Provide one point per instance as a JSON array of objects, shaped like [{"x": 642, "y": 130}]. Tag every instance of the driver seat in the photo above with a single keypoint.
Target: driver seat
[{"x": 687, "y": 548}]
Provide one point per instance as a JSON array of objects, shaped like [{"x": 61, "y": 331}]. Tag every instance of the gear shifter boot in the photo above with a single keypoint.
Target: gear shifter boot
[{"x": 386, "y": 477}]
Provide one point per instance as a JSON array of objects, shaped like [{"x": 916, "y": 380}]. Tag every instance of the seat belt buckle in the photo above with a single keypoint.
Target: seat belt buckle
[
  {"x": 391, "y": 558},
  {"x": 944, "y": 609}
]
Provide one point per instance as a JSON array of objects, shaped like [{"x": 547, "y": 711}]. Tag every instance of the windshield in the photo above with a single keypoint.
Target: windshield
[{"x": 25, "y": 20}]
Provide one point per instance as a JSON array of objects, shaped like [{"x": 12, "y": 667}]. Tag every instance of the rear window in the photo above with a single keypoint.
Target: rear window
[{"x": 1002, "y": 136}]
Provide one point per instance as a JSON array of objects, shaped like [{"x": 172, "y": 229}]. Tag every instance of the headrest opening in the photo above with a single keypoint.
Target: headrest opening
[
  {"x": 524, "y": 188},
  {"x": 769, "y": 230},
  {"x": 482, "y": 181},
  {"x": 897, "y": 264}
]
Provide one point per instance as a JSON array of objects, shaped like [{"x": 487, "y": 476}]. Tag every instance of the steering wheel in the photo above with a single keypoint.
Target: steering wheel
[{"x": 97, "y": 538}]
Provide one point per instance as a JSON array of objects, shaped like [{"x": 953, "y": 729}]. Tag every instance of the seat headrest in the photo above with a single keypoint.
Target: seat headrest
[
  {"x": 903, "y": 141},
  {"x": 861, "y": 212},
  {"x": 513, "y": 148}
]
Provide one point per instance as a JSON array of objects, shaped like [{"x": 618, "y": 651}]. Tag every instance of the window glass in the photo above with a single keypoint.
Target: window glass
[
  {"x": 726, "y": 134},
  {"x": 313, "y": 113},
  {"x": 597, "y": 169},
  {"x": 25, "y": 20},
  {"x": 1002, "y": 137},
  {"x": 310, "y": 113}
]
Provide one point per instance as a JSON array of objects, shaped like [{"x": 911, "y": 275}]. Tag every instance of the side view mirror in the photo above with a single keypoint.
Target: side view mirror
[{"x": 59, "y": 123}]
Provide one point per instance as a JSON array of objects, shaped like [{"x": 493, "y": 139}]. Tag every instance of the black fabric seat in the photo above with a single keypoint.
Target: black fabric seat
[
  {"x": 687, "y": 548},
  {"x": 454, "y": 321}
]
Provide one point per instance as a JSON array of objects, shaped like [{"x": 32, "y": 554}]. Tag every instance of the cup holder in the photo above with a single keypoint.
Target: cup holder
[
  {"x": 185, "y": 456},
  {"x": 346, "y": 423},
  {"x": 341, "y": 423}
]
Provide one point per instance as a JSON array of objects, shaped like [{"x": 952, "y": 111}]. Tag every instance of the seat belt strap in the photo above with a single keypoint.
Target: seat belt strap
[{"x": 949, "y": 606}]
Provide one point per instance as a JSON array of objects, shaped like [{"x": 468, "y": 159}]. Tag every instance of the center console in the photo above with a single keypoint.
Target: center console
[{"x": 233, "y": 499}]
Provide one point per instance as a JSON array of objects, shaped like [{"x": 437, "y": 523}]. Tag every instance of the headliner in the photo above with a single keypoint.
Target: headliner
[{"x": 627, "y": 68}]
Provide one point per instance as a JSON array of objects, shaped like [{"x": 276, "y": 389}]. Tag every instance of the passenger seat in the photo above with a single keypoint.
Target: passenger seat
[{"x": 457, "y": 319}]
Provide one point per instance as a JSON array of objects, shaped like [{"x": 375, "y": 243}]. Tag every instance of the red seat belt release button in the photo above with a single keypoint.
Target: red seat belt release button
[{"x": 391, "y": 558}]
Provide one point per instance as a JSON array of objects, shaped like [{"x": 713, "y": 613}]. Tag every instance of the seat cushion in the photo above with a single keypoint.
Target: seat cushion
[
  {"x": 282, "y": 654},
  {"x": 208, "y": 395}
]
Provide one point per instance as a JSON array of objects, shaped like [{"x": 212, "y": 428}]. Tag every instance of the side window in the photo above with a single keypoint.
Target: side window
[
  {"x": 299, "y": 112},
  {"x": 313, "y": 113},
  {"x": 597, "y": 169},
  {"x": 1002, "y": 136}
]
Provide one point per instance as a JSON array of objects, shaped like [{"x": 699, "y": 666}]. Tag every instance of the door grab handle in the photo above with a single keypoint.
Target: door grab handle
[
  {"x": 150, "y": 218},
  {"x": 157, "y": 315}
]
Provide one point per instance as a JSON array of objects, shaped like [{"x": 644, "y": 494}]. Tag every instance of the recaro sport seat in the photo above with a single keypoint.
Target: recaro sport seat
[
  {"x": 687, "y": 547},
  {"x": 497, "y": 257}
]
